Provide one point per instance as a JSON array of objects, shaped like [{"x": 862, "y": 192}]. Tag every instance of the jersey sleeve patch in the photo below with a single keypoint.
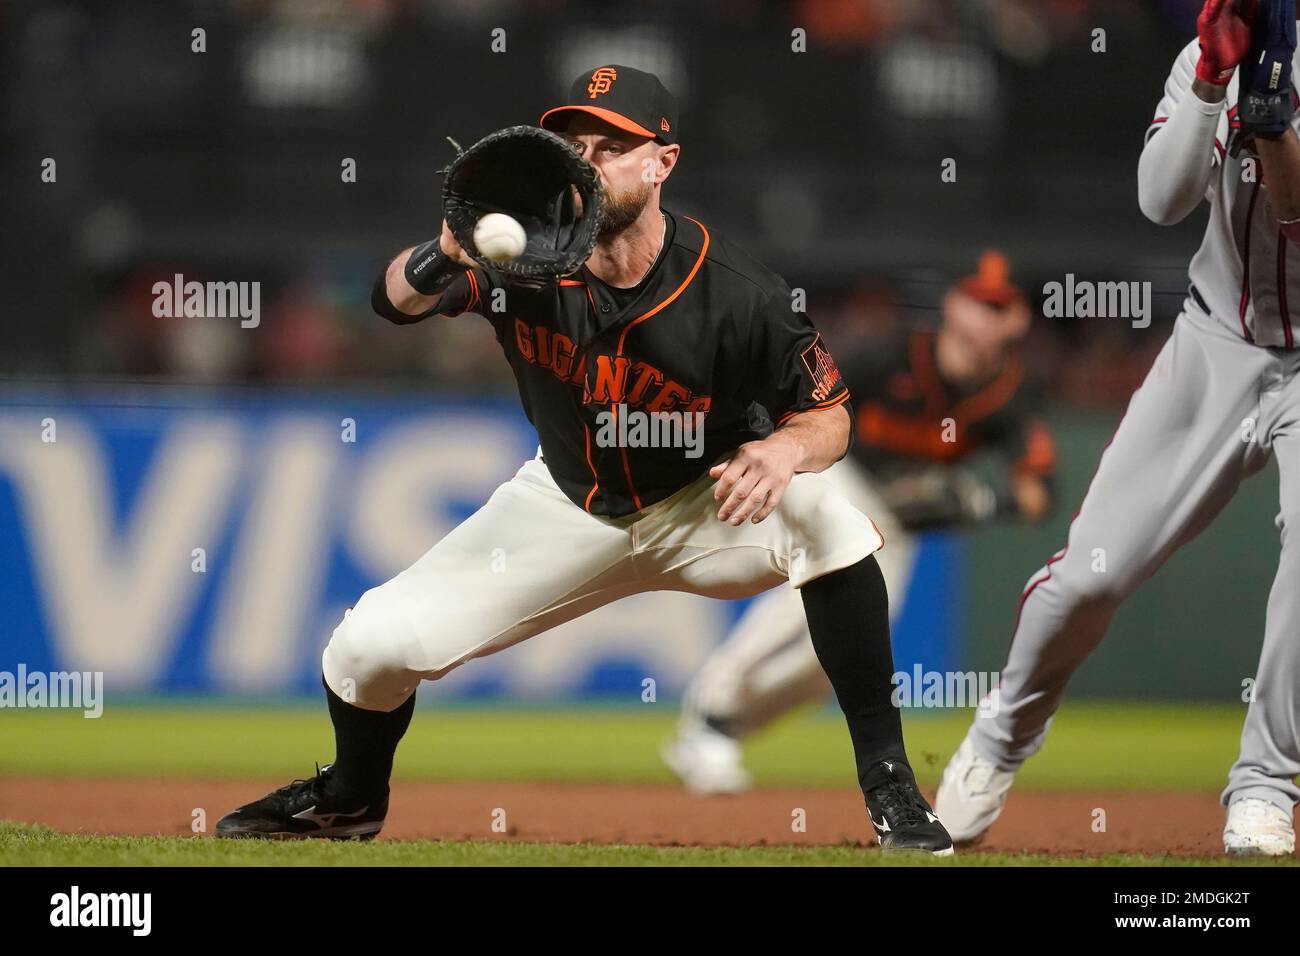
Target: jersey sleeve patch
[{"x": 822, "y": 370}]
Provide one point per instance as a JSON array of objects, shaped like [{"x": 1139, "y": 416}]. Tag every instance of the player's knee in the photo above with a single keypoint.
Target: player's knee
[
  {"x": 1094, "y": 585},
  {"x": 826, "y": 532},
  {"x": 371, "y": 659}
]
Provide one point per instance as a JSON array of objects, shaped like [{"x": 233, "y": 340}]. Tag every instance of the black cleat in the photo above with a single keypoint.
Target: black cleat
[
  {"x": 306, "y": 808},
  {"x": 902, "y": 818}
]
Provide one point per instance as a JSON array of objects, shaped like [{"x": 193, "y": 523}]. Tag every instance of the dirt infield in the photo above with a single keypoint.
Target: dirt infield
[{"x": 1186, "y": 824}]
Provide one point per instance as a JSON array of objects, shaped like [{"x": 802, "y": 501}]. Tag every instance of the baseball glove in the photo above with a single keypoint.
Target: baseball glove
[{"x": 534, "y": 176}]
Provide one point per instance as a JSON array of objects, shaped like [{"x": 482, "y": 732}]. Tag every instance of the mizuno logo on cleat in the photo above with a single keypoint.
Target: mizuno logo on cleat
[
  {"x": 325, "y": 820},
  {"x": 882, "y": 826}
]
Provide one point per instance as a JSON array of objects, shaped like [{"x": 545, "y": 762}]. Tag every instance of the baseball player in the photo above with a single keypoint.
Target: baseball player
[
  {"x": 1222, "y": 396},
  {"x": 904, "y": 471},
  {"x": 666, "y": 316}
]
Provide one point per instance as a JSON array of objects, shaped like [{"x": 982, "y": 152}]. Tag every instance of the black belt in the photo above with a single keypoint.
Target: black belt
[{"x": 1199, "y": 301}]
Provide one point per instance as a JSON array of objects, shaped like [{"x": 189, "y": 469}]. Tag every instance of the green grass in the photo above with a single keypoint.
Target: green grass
[
  {"x": 1092, "y": 746},
  {"x": 26, "y": 845}
]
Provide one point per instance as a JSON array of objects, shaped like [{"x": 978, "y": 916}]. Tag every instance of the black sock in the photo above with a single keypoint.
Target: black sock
[
  {"x": 848, "y": 617},
  {"x": 364, "y": 744},
  {"x": 722, "y": 725}
]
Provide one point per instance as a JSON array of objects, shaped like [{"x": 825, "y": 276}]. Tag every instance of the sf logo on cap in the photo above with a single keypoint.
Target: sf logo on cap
[{"x": 601, "y": 81}]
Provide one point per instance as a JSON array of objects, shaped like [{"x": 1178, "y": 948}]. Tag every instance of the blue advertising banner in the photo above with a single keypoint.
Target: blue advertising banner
[{"x": 208, "y": 543}]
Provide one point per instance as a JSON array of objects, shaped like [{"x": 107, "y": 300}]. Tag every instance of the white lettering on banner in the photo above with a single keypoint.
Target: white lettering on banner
[
  {"x": 273, "y": 584},
  {"x": 272, "y": 501},
  {"x": 414, "y": 467},
  {"x": 116, "y": 597}
]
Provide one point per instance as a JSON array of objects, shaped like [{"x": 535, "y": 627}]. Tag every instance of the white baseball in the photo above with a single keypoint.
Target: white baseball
[{"x": 499, "y": 237}]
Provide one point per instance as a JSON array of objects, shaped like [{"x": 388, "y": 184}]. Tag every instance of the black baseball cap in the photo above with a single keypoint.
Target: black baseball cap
[
  {"x": 992, "y": 284},
  {"x": 632, "y": 100}
]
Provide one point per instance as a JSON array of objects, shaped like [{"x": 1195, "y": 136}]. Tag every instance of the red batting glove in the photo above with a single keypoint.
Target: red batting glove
[{"x": 1224, "y": 28}]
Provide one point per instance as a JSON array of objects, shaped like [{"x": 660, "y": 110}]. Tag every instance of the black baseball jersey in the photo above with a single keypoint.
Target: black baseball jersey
[
  {"x": 901, "y": 402},
  {"x": 708, "y": 330}
]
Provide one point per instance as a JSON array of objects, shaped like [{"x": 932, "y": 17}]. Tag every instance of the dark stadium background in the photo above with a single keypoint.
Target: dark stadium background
[{"x": 225, "y": 165}]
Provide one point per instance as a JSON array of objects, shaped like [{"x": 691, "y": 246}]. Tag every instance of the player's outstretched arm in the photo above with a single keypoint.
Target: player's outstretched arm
[
  {"x": 414, "y": 282},
  {"x": 1178, "y": 161},
  {"x": 752, "y": 481}
]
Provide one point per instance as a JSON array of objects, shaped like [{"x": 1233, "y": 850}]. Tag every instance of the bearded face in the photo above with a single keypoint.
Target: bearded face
[{"x": 620, "y": 209}]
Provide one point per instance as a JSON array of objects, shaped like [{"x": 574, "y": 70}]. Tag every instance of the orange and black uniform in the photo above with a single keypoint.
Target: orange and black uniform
[
  {"x": 708, "y": 330},
  {"x": 901, "y": 403}
]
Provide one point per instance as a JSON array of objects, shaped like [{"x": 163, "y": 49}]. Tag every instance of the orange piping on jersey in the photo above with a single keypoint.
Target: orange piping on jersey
[
  {"x": 595, "y": 479},
  {"x": 820, "y": 407},
  {"x": 990, "y": 398},
  {"x": 622, "y": 338},
  {"x": 704, "y": 249},
  {"x": 627, "y": 470},
  {"x": 980, "y": 405},
  {"x": 878, "y": 427},
  {"x": 917, "y": 437},
  {"x": 473, "y": 290},
  {"x": 572, "y": 282}
]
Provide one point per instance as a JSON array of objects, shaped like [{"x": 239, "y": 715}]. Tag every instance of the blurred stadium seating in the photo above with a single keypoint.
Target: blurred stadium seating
[{"x": 226, "y": 164}]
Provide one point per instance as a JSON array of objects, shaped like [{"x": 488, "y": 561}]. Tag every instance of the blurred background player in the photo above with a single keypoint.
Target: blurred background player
[{"x": 925, "y": 402}]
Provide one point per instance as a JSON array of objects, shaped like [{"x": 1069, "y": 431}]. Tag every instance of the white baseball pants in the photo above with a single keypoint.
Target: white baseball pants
[
  {"x": 766, "y": 666},
  {"x": 530, "y": 559}
]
